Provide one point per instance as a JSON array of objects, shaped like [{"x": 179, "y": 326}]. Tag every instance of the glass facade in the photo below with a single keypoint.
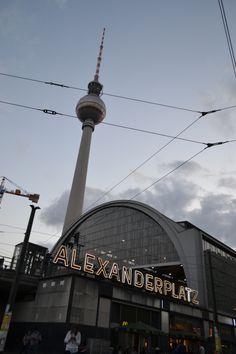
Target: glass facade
[
  {"x": 221, "y": 281},
  {"x": 222, "y": 252},
  {"x": 34, "y": 259},
  {"x": 125, "y": 236},
  {"x": 123, "y": 315},
  {"x": 187, "y": 325}
]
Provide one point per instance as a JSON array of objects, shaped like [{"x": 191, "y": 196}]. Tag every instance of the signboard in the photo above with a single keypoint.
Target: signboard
[
  {"x": 110, "y": 270},
  {"x": 4, "y": 329}
]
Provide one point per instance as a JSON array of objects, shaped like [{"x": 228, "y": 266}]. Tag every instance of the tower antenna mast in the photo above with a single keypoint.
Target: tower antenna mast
[{"x": 96, "y": 76}]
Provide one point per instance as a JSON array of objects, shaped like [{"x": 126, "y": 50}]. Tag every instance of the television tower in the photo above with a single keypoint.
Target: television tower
[{"x": 90, "y": 110}]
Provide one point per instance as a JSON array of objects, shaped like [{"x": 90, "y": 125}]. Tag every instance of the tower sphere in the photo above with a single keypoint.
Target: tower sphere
[{"x": 91, "y": 107}]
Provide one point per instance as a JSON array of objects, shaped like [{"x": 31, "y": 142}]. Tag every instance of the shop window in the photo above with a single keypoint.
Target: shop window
[
  {"x": 226, "y": 331},
  {"x": 115, "y": 312},
  {"x": 104, "y": 312},
  {"x": 143, "y": 316},
  {"x": 128, "y": 313},
  {"x": 155, "y": 319},
  {"x": 187, "y": 325}
]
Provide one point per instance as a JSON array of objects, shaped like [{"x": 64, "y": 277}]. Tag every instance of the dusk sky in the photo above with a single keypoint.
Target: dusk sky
[{"x": 169, "y": 52}]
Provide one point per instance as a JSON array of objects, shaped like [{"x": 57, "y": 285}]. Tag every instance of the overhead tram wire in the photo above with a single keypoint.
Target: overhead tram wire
[
  {"x": 209, "y": 145},
  {"x": 104, "y": 93},
  {"x": 150, "y": 157},
  {"x": 53, "y": 112},
  {"x": 177, "y": 167},
  {"x": 21, "y": 228},
  {"x": 42, "y": 81},
  {"x": 151, "y": 132},
  {"x": 228, "y": 37},
  {"x": 159, "y": 180}
]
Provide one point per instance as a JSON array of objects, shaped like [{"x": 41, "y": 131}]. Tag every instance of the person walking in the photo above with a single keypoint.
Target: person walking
[
  {"x": 25, "y": 343},
  {"x": 201, "y": 349},
  {"x": 72, "y": 341},
  {"x": 35, "y": 339},
  {"x": 181, "y": 349}
]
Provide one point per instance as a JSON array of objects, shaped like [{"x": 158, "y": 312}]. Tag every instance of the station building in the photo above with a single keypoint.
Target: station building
[{"x": 129, "y": 276}]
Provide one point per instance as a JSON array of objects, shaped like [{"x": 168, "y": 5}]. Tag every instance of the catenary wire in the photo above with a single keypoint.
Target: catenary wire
[
  {"x": 48, "y": 111},
  {"x": 162, "y": 177},
  {"x": 180, "y": 165},
  {"x": 143, "y": 163},
  {"x": 53, "y": 112},
  {"x": 146, "y": 160},
  {"x": 21, "y": 228},
  {"x": 118, "y": 97},
  {"x": 151, "y": 132},
  {"x": 228, "y": 37},
  {"x": 177, "y": 167},
  {"x": 168, "y": 173},
  {"x": 104, "y": 93}
]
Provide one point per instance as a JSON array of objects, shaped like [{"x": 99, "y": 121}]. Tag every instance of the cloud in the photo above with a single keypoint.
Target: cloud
[
  {"x": 184, "y": 200},
  {"x": 61, "y": 3},
  {"x": 172, "y": 198},
  {"x": 190, "y": 168},
  {"x": 178, "y": 198},
  {"x": 224, "y": 96},
  {"x": 217, "y": 216},
  {"x": 55, "y": 213},
  {"x": 228, "y": 182},
  {"x": 95, "y": 196}
]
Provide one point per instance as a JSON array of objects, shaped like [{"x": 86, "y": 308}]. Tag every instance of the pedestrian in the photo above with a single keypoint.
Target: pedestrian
[
  {"x": 201, "y": 349},
  {"x": 120, "y": 351},
  {"x": 173, "y": 348},
  {"x": 72, "y": 340},
  {"x": 35, "y": 339},
  {"x": 25, "y": 343},
  {"x": 181, "y": 349},
  {"x": 134, "y": 351}
]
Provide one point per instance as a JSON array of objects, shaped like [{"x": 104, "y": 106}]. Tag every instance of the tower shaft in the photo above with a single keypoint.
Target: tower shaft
[{"x": 76, "y": 198}]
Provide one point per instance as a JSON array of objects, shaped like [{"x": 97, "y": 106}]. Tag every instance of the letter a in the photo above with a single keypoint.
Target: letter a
[{"x": 61, "y": 256}]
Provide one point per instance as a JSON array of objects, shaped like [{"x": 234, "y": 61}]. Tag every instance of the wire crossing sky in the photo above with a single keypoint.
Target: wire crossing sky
[{"x": 162, "y": 71}]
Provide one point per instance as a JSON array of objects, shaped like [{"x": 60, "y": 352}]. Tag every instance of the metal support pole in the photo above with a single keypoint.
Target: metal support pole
[
  {"x": 218, "y": 349},
  {"x": 13, "y": 292}
]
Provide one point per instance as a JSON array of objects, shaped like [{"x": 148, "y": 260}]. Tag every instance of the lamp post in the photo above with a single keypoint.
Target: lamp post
[{"x": 13, "y": 291}]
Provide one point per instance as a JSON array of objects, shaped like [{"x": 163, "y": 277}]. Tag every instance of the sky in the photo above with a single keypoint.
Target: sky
[{"x": 170, "y": 52}]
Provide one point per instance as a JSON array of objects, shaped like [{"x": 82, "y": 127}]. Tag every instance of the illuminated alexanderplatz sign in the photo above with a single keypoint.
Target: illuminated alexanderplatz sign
[{"x": 109, "y": 270}]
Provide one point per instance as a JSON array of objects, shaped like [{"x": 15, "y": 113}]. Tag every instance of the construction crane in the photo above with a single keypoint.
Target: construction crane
[{"x": 18, "y": 191}]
